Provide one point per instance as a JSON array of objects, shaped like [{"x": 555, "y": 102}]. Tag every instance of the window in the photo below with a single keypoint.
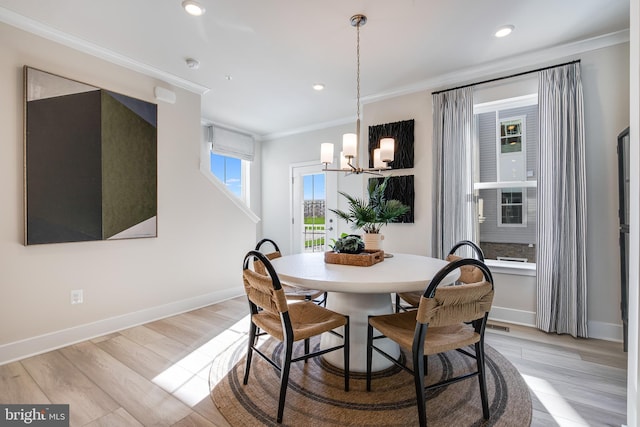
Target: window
[
  {"x": 505, "y": 178},
  {"x": 512, "y": 207},
  {"x": 229, "y": 171},
  {"x": 230, "y": 154},
  {"x": 511, "y": 136}
]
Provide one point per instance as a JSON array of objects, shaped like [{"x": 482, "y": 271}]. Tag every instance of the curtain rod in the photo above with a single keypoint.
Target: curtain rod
[{"x": 506, "y": 77}]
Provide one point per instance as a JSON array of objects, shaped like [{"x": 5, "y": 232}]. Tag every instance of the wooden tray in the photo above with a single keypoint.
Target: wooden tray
[{"x": 363, "y": 259}]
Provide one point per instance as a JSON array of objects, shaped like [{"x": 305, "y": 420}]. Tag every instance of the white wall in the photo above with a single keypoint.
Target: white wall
[
  {"x": 605, "y": 79},
  {"x": 201, "y": 234},
  {"x": 409, "y": 238},
  {"x": 605, "y": 75},
  {"x": 277, "y": 155},
  {"x": 633, "y": 372}
]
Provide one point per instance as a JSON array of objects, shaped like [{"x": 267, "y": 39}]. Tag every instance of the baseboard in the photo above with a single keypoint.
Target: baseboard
[
  {"x": 40, "y": 344},
  {"x": 605, "y": 331},
  {"x": 510, "y": 315},
  {"x": 597, "y": 330}
]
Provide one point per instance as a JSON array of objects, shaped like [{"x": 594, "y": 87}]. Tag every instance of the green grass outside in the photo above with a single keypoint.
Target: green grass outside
[{"x": 314, "y": 220}]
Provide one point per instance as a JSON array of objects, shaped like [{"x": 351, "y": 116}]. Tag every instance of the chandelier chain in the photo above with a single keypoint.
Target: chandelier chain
[
  {"x": 358, "y": 79},
  {"x": 349, "y": 163}
]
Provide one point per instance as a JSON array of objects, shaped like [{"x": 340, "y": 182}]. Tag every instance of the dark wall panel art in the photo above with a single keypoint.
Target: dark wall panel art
[
  {"x": 90, "y": 162},
  {"x": 401, "y": 188},
  {"x": 402, "y": 132}
]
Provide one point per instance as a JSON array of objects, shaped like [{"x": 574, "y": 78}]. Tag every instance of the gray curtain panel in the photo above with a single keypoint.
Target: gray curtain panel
[
  {"x": 454, "y": 210},
  {"x": 561, "y": 233}
]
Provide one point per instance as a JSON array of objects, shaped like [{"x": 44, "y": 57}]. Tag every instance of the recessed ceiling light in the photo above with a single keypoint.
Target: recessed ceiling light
[
  {"x": 193, "y": 7},
  {"x": 318, "y": 86},
  {"x": 504, "y": 31}
]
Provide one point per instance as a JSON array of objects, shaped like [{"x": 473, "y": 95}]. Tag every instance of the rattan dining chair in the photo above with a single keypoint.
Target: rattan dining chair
[
  {"x": 292, "y": 292},
  {"x": 272, "y": 315},
  {"x": 448, "y": 318},
  {"x": 468, "y": 274}
]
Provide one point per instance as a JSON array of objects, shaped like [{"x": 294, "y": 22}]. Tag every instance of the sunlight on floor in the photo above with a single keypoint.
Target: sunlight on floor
[
  {"x": 561, "y": 411},
  {"x": 190, "y": 379}
]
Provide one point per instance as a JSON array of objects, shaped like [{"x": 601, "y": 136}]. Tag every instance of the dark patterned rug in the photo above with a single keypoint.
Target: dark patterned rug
[{"x": 316, "y": 395}]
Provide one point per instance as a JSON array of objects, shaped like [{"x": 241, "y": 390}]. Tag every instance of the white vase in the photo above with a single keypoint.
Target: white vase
[{"x": 372, "y": 241}]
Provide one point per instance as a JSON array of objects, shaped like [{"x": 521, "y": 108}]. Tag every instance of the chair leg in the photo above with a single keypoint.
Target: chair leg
[
  {"x": 306, "y": 348},
  {"x": 481, "y": 379},
  {"x": 397, "y": 303},
  {"x": 252, "y": 338},
  {"x": 418, "y": 377},
  {"x": 369, "y": 354},
  {"x": 284, "y": 378},
  {"x": 346, "y": 354}
]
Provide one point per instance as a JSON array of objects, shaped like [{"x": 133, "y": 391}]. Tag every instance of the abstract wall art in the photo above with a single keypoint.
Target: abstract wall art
[
  {"x": 401, "y": 188},
  {"x": 90, "y": 162},
  {"x": 402, "y": 132}
]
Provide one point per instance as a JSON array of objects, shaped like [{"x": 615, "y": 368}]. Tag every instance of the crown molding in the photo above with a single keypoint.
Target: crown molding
[
  {"x": 310, "y": 128},
  {"x": 502, "y": 67},
  {"x": 32, "y": 26},
  {"x": 477, "y": 73}
]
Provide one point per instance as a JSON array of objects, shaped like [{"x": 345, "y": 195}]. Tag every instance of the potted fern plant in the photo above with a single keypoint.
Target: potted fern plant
[{"x": 372, "y": 214}]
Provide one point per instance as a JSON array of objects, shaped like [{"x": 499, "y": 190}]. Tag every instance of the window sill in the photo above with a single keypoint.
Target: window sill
[
  {"x": 239, "y": 203},
  {"x": 511, "y": 267}
]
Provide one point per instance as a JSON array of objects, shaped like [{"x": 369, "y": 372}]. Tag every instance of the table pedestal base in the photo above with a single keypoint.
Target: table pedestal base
[{"x": 358, "y": 307}]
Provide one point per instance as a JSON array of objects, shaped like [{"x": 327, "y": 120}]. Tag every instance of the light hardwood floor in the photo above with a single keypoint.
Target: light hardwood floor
[{"x": 157, "y": 373}]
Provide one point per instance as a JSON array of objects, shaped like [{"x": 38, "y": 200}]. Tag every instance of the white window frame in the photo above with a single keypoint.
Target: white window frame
[
  {"x": 523, "y": 190},
  {"x": 205, "y": 169}
]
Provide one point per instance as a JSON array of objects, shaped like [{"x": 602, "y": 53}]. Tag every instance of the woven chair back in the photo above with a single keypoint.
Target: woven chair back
[
  {"x": 259, "y": 266},
  {"x": 455, "y": 304},
  {"x": 468, "y": 273},
  {"x": 264, "y": 289}
]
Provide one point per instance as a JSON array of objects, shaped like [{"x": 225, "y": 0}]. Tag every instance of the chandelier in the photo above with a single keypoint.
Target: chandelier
[{"x": 349, "y": 154}]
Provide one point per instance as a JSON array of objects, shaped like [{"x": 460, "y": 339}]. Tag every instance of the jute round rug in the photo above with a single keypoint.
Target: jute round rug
[{"x": 316, "y": 395}]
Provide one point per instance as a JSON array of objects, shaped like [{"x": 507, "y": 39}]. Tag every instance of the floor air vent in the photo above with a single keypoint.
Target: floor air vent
[{"x": 498, "y": 327}]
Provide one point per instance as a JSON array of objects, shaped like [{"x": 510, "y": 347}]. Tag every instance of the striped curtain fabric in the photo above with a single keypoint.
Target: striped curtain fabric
[
  {"x": 454, "y": 213},
  {"x": 561, "y": 232}
]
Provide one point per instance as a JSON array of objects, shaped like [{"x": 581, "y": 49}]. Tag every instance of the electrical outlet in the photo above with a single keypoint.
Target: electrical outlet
[{"x": 76, "y": 296}]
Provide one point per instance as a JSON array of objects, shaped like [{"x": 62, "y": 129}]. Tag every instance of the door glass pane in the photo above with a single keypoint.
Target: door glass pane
[{"x": 314, "y": 212}]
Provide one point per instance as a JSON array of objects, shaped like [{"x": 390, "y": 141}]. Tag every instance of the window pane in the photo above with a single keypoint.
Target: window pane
[
  {"x": 511, "y": 136},
  {"x": 512, "y": 214},
  {"x": 229, "y": 171},
  {"x": 509, "y": 197},
  {"x": 511, "y": 144},
  {"x": 506, "y": 152},
  {"x": 314, "y": 209},
  {"x": 513, "y": 127},
  {"x": 233, "y": 178}
]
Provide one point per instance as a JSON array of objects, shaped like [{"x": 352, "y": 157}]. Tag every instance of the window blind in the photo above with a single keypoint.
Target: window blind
[{"x": 231, "y": 143}]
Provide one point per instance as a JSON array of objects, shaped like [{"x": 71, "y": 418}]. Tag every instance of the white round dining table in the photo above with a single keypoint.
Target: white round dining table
[{"x": 359, "y": 292}]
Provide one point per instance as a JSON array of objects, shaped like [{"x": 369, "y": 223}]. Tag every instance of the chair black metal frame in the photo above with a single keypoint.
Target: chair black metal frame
[
  {"x": 288, "y": 332},
  {"x": 316, "y": 296},
  {"x": 418, "y": 356},
  {"x": 477, "y": 252}
]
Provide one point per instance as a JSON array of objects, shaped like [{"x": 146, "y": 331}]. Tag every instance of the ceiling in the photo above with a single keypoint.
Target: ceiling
[{"x": 260, "y": 58}]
